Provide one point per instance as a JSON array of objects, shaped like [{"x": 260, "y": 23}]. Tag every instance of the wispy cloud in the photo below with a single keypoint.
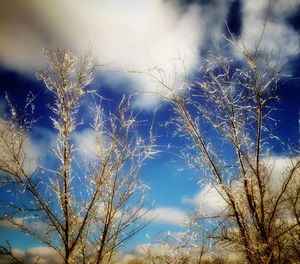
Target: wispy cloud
[
  {"x": 166, "y": 215},
  {"x": 28, "y": 222}
]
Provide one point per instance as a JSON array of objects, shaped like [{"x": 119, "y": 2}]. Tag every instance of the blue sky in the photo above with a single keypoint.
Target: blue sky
[{"x": 136, "y": 36}]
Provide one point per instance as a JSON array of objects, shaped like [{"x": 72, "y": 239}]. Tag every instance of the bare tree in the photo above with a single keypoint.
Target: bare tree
[
  {"x": 84, "y": 210},
  {"x": 227, "y": 118}
]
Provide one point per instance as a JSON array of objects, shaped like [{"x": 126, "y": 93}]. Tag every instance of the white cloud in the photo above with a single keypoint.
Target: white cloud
[
  {"x": 133, "y": 34},
  {"x": 13, "y": 142},
  {"x": 278, "y": 37},
  {"x": 166, "y": 215},
  {"x": 33, "y": 154},
  {"x": 44, "y": 255},
  {"x": 85, "y": 143},
  {"x": 17, "y": 253},
  {"x": 208, "y": 200},
  {"x": 41, "y": 255},
  {"x": 279, "y": 166},
  {"x": 32, "y": 147}
]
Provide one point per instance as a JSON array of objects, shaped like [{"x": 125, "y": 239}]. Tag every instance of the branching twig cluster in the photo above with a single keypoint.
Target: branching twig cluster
[{"x": 84, "y": 214}]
